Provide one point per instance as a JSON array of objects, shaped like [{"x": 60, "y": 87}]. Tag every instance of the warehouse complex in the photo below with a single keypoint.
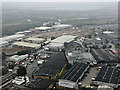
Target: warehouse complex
[
  {"x": 108, "y": 76},
  {"x": 53, "y": 68},
  {"x": 71, "y": 77},
  {"x": 59, "y": 43}
]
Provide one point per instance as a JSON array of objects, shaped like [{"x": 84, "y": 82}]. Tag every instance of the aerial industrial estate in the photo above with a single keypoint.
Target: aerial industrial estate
[
  {"x": 61, "y": 56},
  {"x": 54, "y": 58}
]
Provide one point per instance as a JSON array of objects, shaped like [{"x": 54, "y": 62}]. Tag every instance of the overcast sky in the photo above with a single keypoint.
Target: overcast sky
[{"x": 60, "y": 0}]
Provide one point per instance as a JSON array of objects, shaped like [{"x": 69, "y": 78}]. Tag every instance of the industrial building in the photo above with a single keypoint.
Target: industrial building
[
  {"x": 72, "y": 76},
  {"x": 104, "y": 87},
  {"x": 80, "y": 57},
  {"x": 93, "y": 42},
  {"x": 53, "y": 68},
  {"x": 12, "y": 37},
  {"x": 42, "y": 28},
  {"x": 27, "y": 45},
  {"x": 35, "y": 40},
  {"x": 59, "y": 43},
  {"x": 108, "y": 76},
  {"x": 102, "y": 56},
  {"x": 61, "y": 26},
  {"x": 24, "y": 32},
  {"x": 17, "y": 58}
]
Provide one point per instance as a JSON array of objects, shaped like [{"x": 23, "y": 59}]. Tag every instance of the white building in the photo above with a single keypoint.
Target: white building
[
  {"x": 17, "y": 58},
  {"x": 12, "y": 37},
  {"x": 61, "y": 26},
  {"x": 42, "y": 28},
  {"x": 60, "y": 42},
  {"x": 36, "y": 40},
  {"x": 27, "y": 45},
  {"x": 104, "y": 87}
]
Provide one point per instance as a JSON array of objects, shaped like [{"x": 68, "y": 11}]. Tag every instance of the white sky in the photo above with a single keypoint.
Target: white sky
[{"x": 60, "y": 0}]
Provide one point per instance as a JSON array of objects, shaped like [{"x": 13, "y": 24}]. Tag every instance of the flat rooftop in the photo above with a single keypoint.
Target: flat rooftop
[
  {"x": 35, "y": 39},
  {"x": 103, "y": 56},
  {"x": 26, "y": 44},
  {"x": 75, "y": 72},
  {"x": 40, "y": 84},
  {"x": 63, "y": 39},
  {"x": 44, "y": 83},
  {"x": 43, "y": 28},
  {"x": 61, "y": 25},
  {"x": 53, "y": 66},
  {"x": 108, "y": 74}
]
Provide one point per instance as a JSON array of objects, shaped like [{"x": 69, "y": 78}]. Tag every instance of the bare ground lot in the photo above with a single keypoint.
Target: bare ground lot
[{"x": 79, "y": 32}]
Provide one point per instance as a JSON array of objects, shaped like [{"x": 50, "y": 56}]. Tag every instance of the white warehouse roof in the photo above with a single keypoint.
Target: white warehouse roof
[
  {"x": 35, "y": 39},
  {"x": 12, "y": 37},
  {"x": 63, "y": 39},
  {"x": 17, "y": 58},
  {"x": 43, "y": 28},
  {"x": 26, "y": 44},
  {"x": 61, "y": 26},
  {"x": 56, "y": 45}
]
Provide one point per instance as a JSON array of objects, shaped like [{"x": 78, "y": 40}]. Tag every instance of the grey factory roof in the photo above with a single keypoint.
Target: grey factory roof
[
  {"x": 92, "y": 41},
  {"x": 103, "y": 56},
  {"x": 75, "y": 72},
  {"x": 108, "y": 75},
  {"x": 53, "y": 66},
  {"x": 81, "y": 57}
]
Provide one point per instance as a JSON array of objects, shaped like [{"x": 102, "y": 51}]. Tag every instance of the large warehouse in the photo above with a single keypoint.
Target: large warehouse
[
  {"x": 42, "y": 28},
  {"x": 35, "y": 40},
  {"x": 27, "y": 45},
  {"x": 53, "y": 68},
  {"x": 61, "y": 26},
  {"x": 103, "y": 56},
  {"x": 108, "y": 76},
  {"x": 71, "y": 77},
  {"x": 12, "y": 37},
  {"x": 60, "y": 42},
  {"x": 17, "y": 58}
]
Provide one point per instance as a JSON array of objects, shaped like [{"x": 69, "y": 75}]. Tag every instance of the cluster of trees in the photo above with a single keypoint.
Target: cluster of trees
[
  {"x": 11, "y": 66},
  {"x": 4, "y": 70},
  {"x": 21, "y": 71},
  {"x": 52, "y": 38}
]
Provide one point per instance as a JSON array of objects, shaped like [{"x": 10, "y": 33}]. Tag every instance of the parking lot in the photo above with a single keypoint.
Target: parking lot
[{"x": 88, "y": 79}]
